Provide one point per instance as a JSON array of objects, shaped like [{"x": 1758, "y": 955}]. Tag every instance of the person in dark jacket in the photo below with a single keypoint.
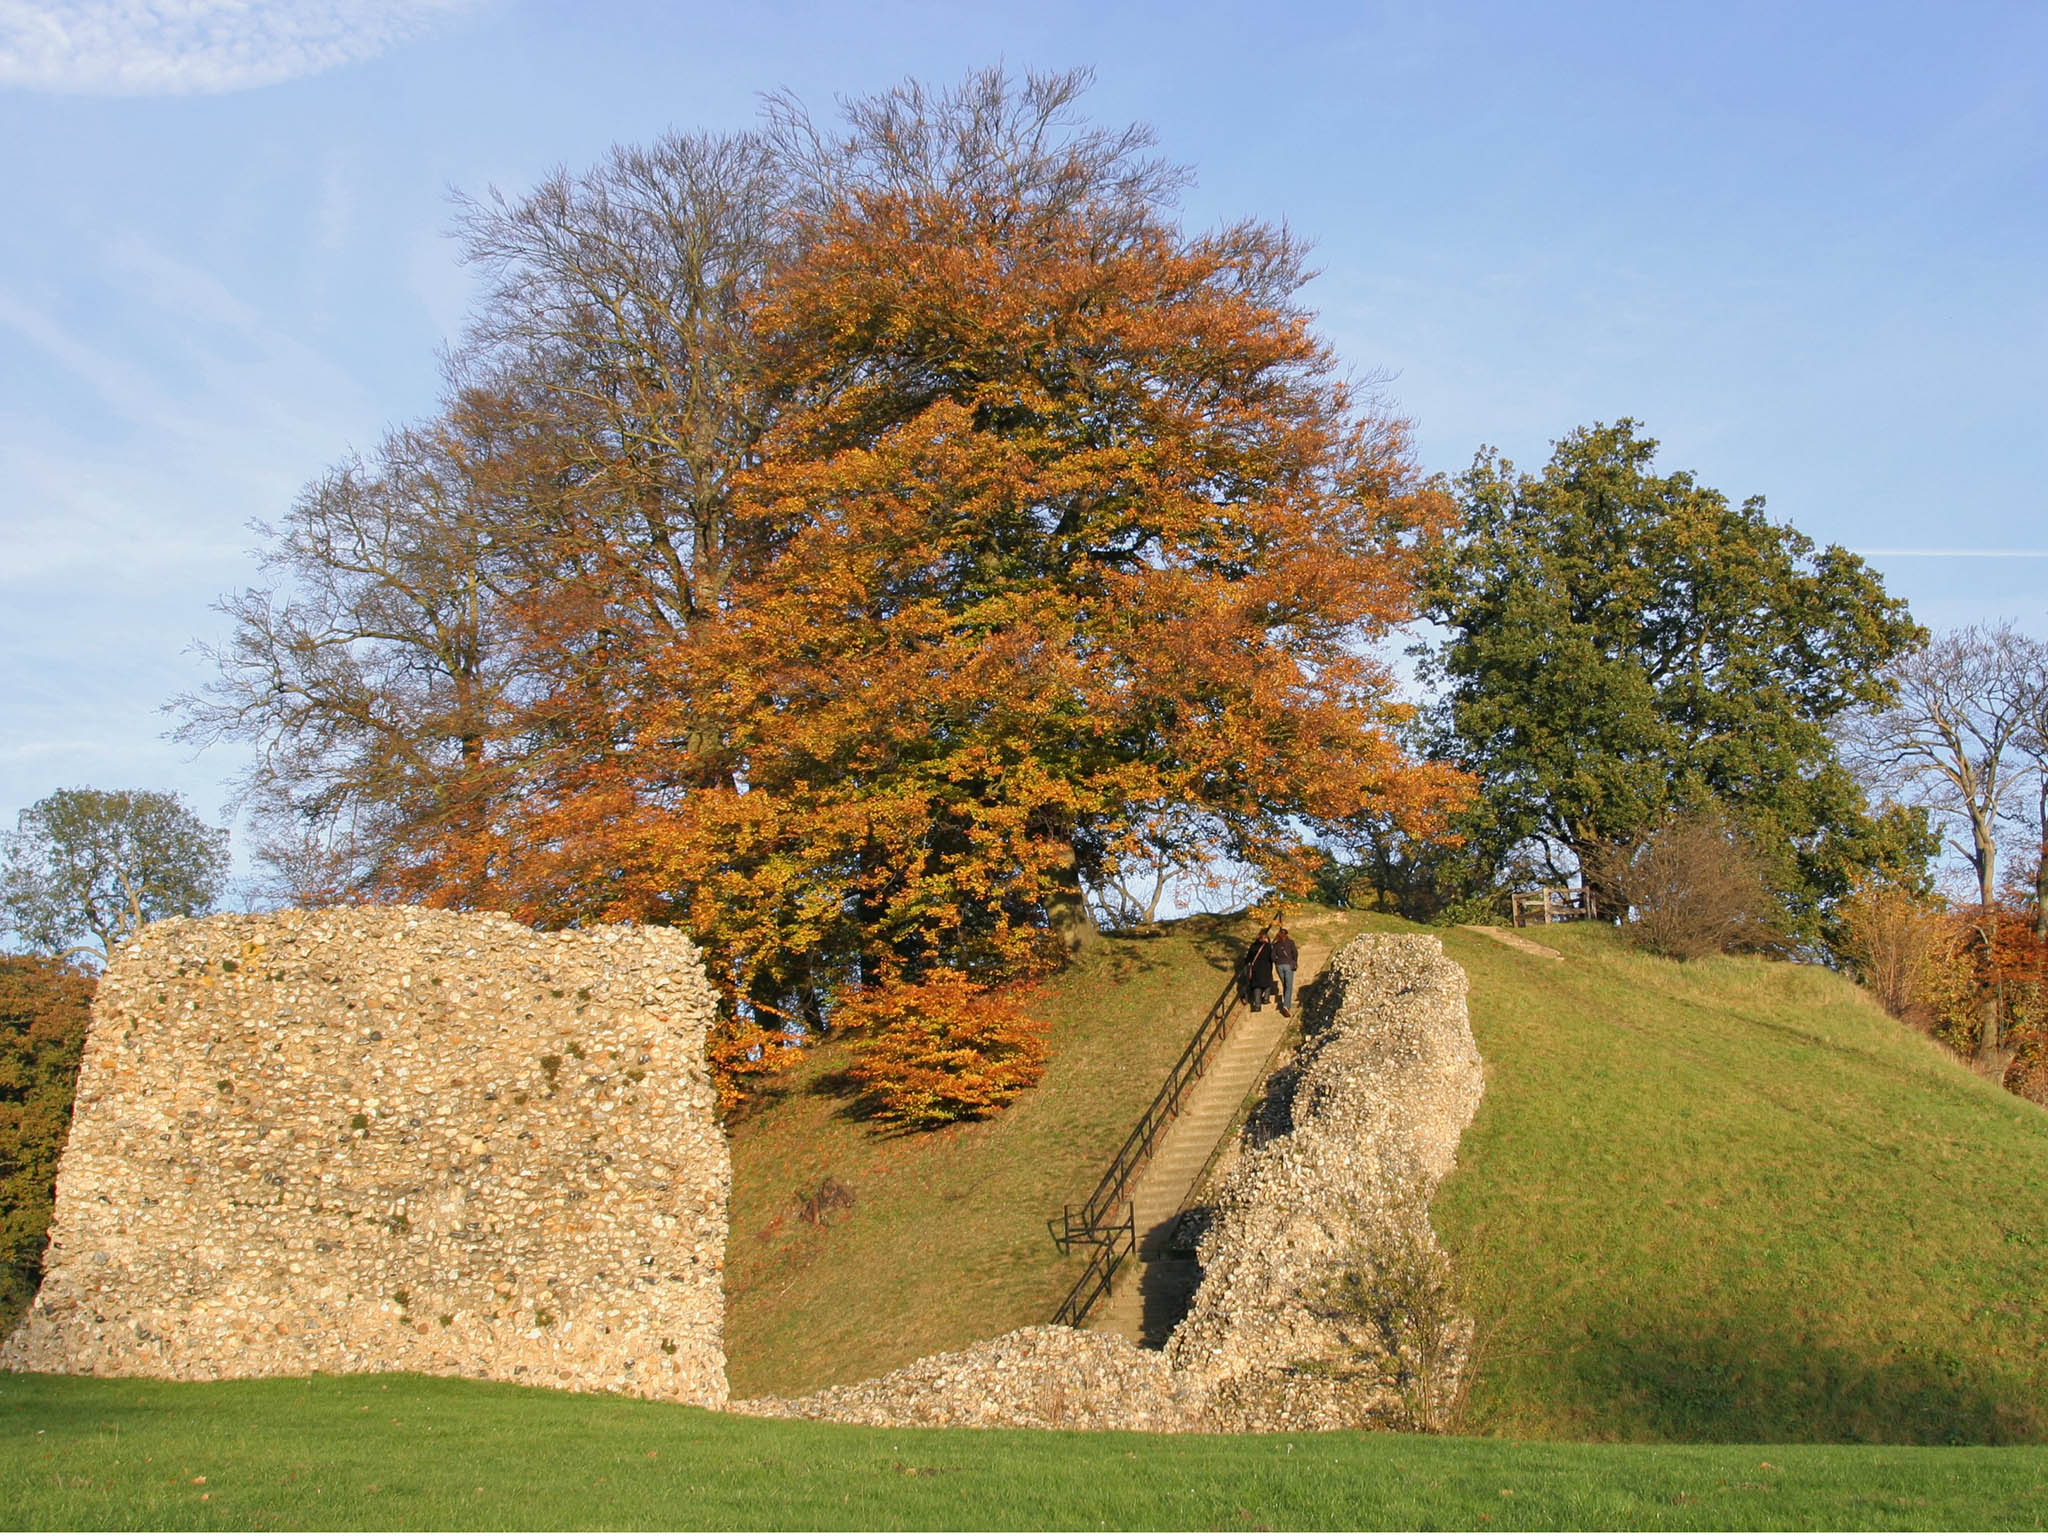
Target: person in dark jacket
[
  {"x": 1258, "y": 972},
  {"x": 1285, "y": 958}
]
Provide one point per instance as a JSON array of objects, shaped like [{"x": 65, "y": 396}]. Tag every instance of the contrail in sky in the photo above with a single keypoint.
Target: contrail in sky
[{"x": 1963, "y": 554}]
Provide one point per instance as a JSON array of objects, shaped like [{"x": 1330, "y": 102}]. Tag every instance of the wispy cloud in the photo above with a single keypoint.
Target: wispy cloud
[
  {"x": 187, "y": 47},
  {"x": 334, "y": 213},
  {"x": 193, "y": 412},
  {"x": 1960, "y": 554}
]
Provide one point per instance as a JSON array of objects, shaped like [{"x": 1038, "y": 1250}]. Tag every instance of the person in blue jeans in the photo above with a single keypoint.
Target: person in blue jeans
[{"x": 1285, "y": 958}]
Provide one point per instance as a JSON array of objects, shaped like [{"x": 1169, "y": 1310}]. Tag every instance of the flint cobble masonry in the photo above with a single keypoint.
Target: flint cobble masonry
[
  {"x": 393, "y": 1139},
  {"x": 1359, "y": 1130}
]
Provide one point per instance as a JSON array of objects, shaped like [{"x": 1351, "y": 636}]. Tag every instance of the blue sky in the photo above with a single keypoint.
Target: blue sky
[{"x": 1803, "y": 244}]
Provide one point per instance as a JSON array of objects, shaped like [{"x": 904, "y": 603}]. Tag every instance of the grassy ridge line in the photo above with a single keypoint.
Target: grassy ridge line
[
  {"x": 408, "y": 1452},
  {"x": 946, "y": 1242},
  {"x": 1732, "y": 1200}
]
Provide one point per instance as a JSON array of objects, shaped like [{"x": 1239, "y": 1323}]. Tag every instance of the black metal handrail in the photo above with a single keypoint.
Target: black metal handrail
[
  {"x": 1114, "y": 1186},
  {"x": 1115, "y": 1241},
  {"x": 1116, "y": 1244}
]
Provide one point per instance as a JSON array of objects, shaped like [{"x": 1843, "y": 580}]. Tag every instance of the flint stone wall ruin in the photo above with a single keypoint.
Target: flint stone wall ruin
[
  {"x": 1324, "y": 1300},
  {"x": 392, "y": 1139}
]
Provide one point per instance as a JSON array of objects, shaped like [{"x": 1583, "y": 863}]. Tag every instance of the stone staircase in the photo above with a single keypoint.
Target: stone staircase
[{"x": 1153, "y": 1290}]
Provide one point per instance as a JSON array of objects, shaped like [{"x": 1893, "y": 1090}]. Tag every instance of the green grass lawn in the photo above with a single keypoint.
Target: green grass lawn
[
  {"x": 946, "y": 1241},
  {"x": 406, "y": 1452},
  {"x": 1732, "y": 1200}
]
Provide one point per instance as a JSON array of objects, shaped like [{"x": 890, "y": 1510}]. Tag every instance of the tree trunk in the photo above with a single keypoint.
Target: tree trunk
[
  {"x": 870, "y": 910},
  {"x": 1601, "y": 869},
  {"x": 1988, "y": 1033},
  {"x": 1066, "y": 908},
  {"x": 2041, "y": 869},
  {"x": 1986, "y": 862},
  {"x": 2041, "y": 895},
  {"x": 1988, "y": 1040}
]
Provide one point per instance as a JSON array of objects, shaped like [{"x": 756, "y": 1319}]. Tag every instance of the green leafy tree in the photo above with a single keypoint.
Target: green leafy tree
[
  {"x": 43, "y": 1009},
  {"x": 87, "y": 867},
  {"x": 1623, "y": 646}
]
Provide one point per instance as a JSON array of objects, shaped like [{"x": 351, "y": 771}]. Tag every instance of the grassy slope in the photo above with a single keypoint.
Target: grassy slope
[
  {"x": 406, "y": 1452},
  {"x": 1733, "y": 1201},
  {"x": 947, "y": 1241},
  {"x": 1725, "y": 1201}
]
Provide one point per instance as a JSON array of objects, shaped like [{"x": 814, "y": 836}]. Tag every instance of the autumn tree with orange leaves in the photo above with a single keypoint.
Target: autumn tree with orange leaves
[{"x": 1040, "y": 523}]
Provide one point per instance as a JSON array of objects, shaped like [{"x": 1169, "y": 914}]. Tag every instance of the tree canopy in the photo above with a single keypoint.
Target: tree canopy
[
  {"x": 852, "y": 543},
  {"x": 1622, "y": 645},
  {"x": 87, "y": 867},
  {"x": 45, "y": 1005},
  {"x": 1955, "y": 732}
]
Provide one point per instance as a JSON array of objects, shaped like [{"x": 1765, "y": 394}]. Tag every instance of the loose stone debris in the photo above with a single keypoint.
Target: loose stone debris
[{"x": 1034, "y": 1378}]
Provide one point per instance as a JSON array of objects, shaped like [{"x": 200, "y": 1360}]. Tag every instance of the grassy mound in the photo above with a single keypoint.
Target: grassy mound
[
  {"x": 1732, "y": 1200},
  {"x": 1725, "y": 1201},
  {"x": 408, "y": 1452},
  {"x": 945, "y": 1239},
  {"x": 1729, "y": 1200}
]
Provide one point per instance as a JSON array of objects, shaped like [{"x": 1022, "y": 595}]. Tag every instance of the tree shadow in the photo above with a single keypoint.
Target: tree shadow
[
  {"x": 1221, "y": 939},
  {"x": 854, "y": 1102},
  {"x": 1739, "y": 1379}
]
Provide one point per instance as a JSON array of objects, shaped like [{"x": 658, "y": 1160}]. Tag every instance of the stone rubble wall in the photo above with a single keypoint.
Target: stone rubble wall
[
  {"x": 1034, "y": 1378},
  {"x": 393, "y": 1139},
  {"x": 1358, "y": 1131}
]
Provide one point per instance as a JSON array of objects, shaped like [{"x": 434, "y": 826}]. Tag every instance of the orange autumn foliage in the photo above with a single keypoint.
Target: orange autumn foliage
[
  {"x": 1035, "y": 524},
  {"x": 1937, "y": 968},
  {"x": 941, "y": 1050},
  {"x": 1071, "y": 520}
]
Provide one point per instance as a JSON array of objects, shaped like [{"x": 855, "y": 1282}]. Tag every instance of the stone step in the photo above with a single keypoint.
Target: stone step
[{"x": 1152, "y": 1290}]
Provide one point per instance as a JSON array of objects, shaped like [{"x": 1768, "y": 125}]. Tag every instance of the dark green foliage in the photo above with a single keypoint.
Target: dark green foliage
[
  {"x": 1624, "y": 645},
  {"x": 43, "y": 1010}
]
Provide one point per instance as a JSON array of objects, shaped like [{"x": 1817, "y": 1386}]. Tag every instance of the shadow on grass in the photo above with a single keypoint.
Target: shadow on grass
[
  {"x": 1747, "y": 1383},
  {"x": 1221, "y": 940},
  {"x": 864, "y": 1107}
]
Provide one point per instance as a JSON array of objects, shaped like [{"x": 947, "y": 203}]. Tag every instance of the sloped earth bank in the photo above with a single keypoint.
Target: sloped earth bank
[{"x": 1325, "y": 1299}]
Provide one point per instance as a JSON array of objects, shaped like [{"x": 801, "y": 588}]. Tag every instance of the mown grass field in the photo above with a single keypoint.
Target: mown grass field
[
  {"x": 1732, "y": 1200},
  {"x": 405, "y": 1452}
]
